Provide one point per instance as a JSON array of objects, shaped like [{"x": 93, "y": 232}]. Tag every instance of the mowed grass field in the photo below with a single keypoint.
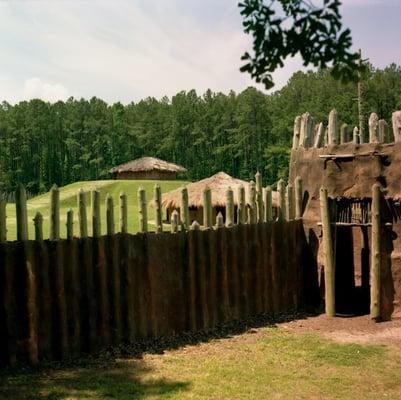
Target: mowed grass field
[
  {"x": 68, "y": 199},
  {"x": 270, "y": 363}
]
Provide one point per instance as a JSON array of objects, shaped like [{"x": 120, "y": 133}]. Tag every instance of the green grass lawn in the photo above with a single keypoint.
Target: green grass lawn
[
  {"x": 68, "y": 199},
  {"x": 270, "y": 364}
]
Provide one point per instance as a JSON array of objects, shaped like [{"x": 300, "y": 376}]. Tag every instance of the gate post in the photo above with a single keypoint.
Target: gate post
[
  {"x": 329, "y": 267},
  {"x": 376, "y": 254}
]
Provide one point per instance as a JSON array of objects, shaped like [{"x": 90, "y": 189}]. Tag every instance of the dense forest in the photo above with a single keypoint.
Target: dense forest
[{"x": 43, "y": 143}]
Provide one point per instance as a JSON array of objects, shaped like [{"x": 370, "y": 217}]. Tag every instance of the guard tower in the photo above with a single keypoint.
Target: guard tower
[{"x": 352, "y": 211}]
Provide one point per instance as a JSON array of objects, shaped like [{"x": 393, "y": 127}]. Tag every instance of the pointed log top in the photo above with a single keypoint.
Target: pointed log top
[{"x": 195, "y": 226}]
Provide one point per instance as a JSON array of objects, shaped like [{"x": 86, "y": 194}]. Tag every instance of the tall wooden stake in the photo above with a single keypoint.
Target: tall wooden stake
[
  {"x": 229, "y": 207},
  {"x": 110, "y": 215},
  {"x": 142, "y": 209},
  {"x": 158, "y": 208},
  {"x": 83, "y": 223},
  {"x": 184, "y": 208},
  {"x": 21, "y": 211},
  {"x": 241, "y": 210},
  {"x": 376, "y": 254},
  {"x": 96, "y": 213},
  {"x": 123, "y": 213},
  {"x": 54, "y": 213},
  {"x": 70, "y": 224},
  {"x": 329, "y": 266},
  {"x": 207, "y": 208},
  {"x": 38, "y": 223},
  {"x": 268, "y": 216},
  {"x": 281, "y": 199},
  {"x": 259, "y": 196}
]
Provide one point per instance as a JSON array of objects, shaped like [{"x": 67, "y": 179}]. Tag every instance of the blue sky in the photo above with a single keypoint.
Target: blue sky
[{"x": 125, "y": 50}]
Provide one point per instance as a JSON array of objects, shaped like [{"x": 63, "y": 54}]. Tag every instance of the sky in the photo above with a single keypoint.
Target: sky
[{"x": 126, "y": 50}]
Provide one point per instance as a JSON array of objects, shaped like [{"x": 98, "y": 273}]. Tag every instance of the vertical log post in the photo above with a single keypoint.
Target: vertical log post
[
  {"x": 298, "y": 197},
  {"x": 268, "y": 214},
  {"x": 355, "y": 135},
  {"x": 373, "y": 128},
  {"x": 123, "y": 213},
  {"x": 142, "y": 210},
  {"x": 95, "y": 205},
  {"x": 219, "y": 221},
  {"x": 329, "y": 267},
  {"x": 195, "y": 226},
  {"x": 70, "y": 224},
  {"x": 174, "y": 221},
  {"x": 3, "y": 218},
  {"x": 383, "y": 131},
  {"x": 158, "y": 208},
  {"x": 229, "y": 207},
  {"x": 290, "y": 212},
  {"x": 83, "y": 223},
  {"x": 281, "y": 199},
  {"x": 252, "y": 203},
  {"x": 38, "y": 223},
  {"x": 396, "y": 122},
  {"x": 259, "y": 196},
  {"x": 110, "y": 215},
  {"x": 207, "y": 208},
  {"x": 21, "y": 213},
  {"x": 332, "y": 128},
  {"x": 344, "y": 133},
  {"x": 297, "y": 131},
  {"x": 184, "y": 208},
  {"x": 241, "y": 210},
  {"x": 376, "y": 254},
  {"x": 319, "y": 136},
  {"x": 54, "y": 213}
]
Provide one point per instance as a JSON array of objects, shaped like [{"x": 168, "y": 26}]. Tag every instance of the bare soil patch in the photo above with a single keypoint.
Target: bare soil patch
[{"x": 359, "y": 329}]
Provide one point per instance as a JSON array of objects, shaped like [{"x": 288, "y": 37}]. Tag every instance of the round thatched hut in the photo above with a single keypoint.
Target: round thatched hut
[
  {"x": 218, "y": 184},
  {"x": 147, "y": 168}
]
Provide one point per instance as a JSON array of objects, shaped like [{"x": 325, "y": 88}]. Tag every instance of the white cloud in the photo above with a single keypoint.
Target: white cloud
[{"x": 35, "y": 88}]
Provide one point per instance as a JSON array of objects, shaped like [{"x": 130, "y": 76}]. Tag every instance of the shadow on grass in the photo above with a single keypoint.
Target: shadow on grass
[
  {"x": 125, "y": 380},
  {"x": 119, "y": 372}
]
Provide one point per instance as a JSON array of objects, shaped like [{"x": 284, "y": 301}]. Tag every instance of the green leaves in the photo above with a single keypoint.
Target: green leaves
[{"x": 284, "y": 28}]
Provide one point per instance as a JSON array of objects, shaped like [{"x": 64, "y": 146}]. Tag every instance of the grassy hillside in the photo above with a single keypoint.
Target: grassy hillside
[{"x": 68, "y": 199}]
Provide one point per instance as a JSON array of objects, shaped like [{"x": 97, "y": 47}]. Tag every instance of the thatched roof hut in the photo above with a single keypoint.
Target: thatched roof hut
[
  {"x": 218, "y": 184},
  {"x": 147, "y": 168}
]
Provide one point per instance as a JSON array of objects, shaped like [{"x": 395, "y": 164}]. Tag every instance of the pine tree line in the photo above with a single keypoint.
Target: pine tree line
[{"x": 64, "y": 142}]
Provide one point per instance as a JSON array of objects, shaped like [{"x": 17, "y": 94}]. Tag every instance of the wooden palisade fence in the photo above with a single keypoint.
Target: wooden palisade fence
[
  {"x": 65, "y": 297},
  {"x": 308, "y": 134}
]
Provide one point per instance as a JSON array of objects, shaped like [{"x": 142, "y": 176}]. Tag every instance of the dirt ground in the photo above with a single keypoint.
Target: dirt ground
[{"x": 359, "y": 329}]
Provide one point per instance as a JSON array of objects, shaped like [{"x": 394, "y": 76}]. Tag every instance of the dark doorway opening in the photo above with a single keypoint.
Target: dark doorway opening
[{"x": 352, "y": 270}]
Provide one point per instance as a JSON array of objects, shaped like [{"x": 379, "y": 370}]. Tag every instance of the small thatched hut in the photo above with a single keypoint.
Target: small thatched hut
[
  {"x": 147, "y": 168},
  {"x": 218, "y": 184}
]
